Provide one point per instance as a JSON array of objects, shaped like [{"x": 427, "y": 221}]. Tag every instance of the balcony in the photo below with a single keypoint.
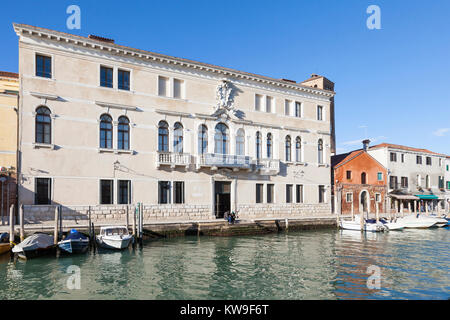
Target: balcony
[
  {"x": 173, "y": 159},
  {"x": 216, "y": 160},
  {"x": 268, "y": 166}
]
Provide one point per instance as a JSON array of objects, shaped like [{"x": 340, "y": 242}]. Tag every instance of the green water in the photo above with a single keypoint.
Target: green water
[{"x": 414, "y": 264}]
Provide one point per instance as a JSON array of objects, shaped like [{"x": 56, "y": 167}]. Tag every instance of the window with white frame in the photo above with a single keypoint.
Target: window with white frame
[
  {"x": 163, "y": 86},
  {"x": 349, "y": 197},
  {"x": 298, "y": 109},
  {"x": 178, "y": 88},
  {"x": 287, "y": 107},
  {"x": 258, "y": 102},
  {"x": 269, "y": 104}
]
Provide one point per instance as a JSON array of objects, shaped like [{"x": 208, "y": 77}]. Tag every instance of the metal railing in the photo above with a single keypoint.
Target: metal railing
[
  {"x": 223, "y": 160},
  {"x": 268, "y": 165}
]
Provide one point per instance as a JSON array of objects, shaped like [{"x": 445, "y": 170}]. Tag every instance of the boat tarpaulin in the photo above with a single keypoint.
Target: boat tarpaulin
[{"x": 35, "y": 241}]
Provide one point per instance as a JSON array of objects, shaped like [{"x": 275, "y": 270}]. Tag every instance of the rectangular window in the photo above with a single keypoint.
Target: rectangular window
[
  {"x": 163, "y": 192},
  {"x": 349, "y": 175},
  {"x": 258, "y": 102},
  {"x": 393, "y": 157},
  {"x": 380, "y": 176},
  {"x": 349, "y": 197},
  {"x": 448, "y": 185},
  {"x": 448, "y": 167},
  {"x": 43, "y": 66},
  {"x": 289, "y": 193},
  {"x": 428, "y": 161},
  {"x": 419, "y": 159},
  {"x": 287, "y": 107},
  {"x": 123, "y": 80},
  {"x": 393, "y": 182},
  {"x": 163, "y": 86},
  {"x": 270, "y": 193},
  {"x": 319, "y": 113},
  {"x": 298, "y": 109},
  {"x": 377, "y": 197},
  {"x": 321, "y": 194},
  {"x": 259, "y": 193},
  {"x": 404, "y": 182},
  {"x": 403, "y": 158},
  {"x": 124, "y": 196},
  {"x": 106, "y": 191},
  {"x": 269, "y": 103},
  {"x": 299, "y": 193},
  {"x": 179, "y": 191},
  {"x": 43, "y": 191},
  {"x": 106, "y": 77},
  {"x": 178, "y": 88}
]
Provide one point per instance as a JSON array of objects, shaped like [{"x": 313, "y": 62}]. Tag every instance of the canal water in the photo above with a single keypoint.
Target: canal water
[{"x": 331, "y": 264}]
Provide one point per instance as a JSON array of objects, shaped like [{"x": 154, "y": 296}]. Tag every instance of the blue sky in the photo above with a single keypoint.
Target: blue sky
[{"x": 393, "y": 84}]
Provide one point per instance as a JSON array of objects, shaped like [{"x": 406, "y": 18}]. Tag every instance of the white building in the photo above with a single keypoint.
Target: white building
[
  {"x": 447, "y": 182},
  {"x": 107, "y": 125},
  {"x": 415, "y": 176}
]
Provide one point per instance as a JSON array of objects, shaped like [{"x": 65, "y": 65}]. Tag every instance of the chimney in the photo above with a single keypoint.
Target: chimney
[{"x": 366, "y": 144}]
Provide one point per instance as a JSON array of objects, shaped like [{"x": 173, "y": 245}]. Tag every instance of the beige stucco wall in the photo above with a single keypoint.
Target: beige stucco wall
[
  {"x": 8, "y": 123},
  {"x": 76, "y": 165}
]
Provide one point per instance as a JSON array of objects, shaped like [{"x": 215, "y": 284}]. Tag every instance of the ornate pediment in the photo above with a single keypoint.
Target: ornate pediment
[{"x": 225, "y": 109}]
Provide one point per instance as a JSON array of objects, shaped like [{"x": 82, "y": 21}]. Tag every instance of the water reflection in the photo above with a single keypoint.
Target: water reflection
[{"x": 296, "y": 265}]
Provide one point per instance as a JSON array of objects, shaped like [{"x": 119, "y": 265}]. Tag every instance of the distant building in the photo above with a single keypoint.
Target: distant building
[
  {"x": 415, "y": 177},
  {"x": 447, "y": 182},
  {"x": 359, "y": 182},
  {"x": 9, "y": 93}
]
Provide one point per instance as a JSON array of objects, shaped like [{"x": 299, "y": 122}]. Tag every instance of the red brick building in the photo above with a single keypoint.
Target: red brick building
[{"x": 359, "y": 181}]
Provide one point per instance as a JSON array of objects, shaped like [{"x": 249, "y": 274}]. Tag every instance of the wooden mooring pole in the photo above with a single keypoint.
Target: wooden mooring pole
[
  {"x": 22, "y": 224},
  {"x": 55, "y": 233},
  {"x": 11, "y": 225},
  {"x": 128, "y": 209}
]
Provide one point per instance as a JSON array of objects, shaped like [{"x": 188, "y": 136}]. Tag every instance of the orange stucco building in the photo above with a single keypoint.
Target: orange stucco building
[{"x": 359, "y": 181}]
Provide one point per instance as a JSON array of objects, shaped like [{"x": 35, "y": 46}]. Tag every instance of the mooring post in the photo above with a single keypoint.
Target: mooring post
[
  {"x": 377, "y": 212},
  {"x": 55, "y": 233},
  {"x": 60, "y": 215},
  {"x": 89, "y": 225},
  {"x": 361, "y": 220},
  {"x": 11, "y": 225},
  {"x": 286, "y": 222},
  {"x": 22, "y": 224},
  {"x": 134, "y": 220},
  {"x": 128, "y": 207},
  {"x": 141, "y": 223}
]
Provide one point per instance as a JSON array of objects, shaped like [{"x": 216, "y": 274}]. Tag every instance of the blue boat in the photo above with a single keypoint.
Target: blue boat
[{"x": 75, "y": 242}]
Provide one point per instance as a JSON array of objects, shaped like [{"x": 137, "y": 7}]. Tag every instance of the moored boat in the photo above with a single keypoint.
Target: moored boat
[
  {"x": 74, "y": 242},
  {"x": 417, "y": 221},
  {"x": 393, "y": 225},
  {"x": 5, "y": 246},
  {"x": 36, "y": 245},
  {"x": 114, "y": 237},
  {"x": 368, "y": 225}
]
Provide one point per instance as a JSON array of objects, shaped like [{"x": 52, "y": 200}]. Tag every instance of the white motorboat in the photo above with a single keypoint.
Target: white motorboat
[
  {"x": 368, "y": 226},
  {"x": 417, "y": 221},
  {"x": 392, "y": 225},
  {"x": 114, "y": 237},
  {"x": 440, "y": 222}
]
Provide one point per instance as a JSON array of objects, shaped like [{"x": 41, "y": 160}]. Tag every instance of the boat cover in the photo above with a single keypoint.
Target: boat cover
[
  {"x": 75, "y": 235},
  {"x": 35, "y": 241},
  {"x": 4, "y": 237}
]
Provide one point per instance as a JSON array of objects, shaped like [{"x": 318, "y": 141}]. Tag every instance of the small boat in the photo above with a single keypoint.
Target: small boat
[
  {"x": 5, "y": 246},
  {"x": 74, "y": 242},
  {"x": 440, "y": 222},
  {"x": 36, "y": 245},
  {"x": 114, "y": 237},
  {"x": 392, "y": 225},
  {"x": 369, "y": 225},
  {"x": 417, "y": 221}
]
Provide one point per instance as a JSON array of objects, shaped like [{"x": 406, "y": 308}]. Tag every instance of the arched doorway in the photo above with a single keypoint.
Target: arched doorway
[{"x": 364, "y": 202}]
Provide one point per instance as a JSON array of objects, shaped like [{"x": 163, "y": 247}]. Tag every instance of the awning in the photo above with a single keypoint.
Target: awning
[
  {"x": 427, "y": 196},
  {"x": 403, "y": 197}
]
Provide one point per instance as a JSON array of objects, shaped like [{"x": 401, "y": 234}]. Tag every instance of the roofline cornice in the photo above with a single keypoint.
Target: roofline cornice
[{"x": 30, "y": 31}]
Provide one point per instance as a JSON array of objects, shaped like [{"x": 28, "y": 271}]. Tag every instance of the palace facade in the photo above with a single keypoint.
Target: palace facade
[{"x": 108, "y": 125}]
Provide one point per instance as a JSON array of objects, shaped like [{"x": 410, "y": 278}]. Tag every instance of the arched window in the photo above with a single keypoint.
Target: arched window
[
  {"x": 269, "y": 146},
  {"x": 298, "y": 149},
  {"x": 202, "y": 139},
  {"x": 123, "y": 133},
  {"x": 163, "y": 136},
  {"x": 240, "y": 141},
  {"x": 221, "y": 139},
  {"x": 106, "y": 131},
  {"x": 43, "y": 125},
  {"x": 363, "y": 178},
  {"x": 178, "y": 138},
  {"x": 320, "y": 150},
  {"x": 288, "y": 148},
  {"x": 258, "y": 145}
]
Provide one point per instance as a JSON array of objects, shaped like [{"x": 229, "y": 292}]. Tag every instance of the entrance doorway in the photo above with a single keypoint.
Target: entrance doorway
[
  {"x": 364, "y": 202},
  {"x": 222, "y": 196}
]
